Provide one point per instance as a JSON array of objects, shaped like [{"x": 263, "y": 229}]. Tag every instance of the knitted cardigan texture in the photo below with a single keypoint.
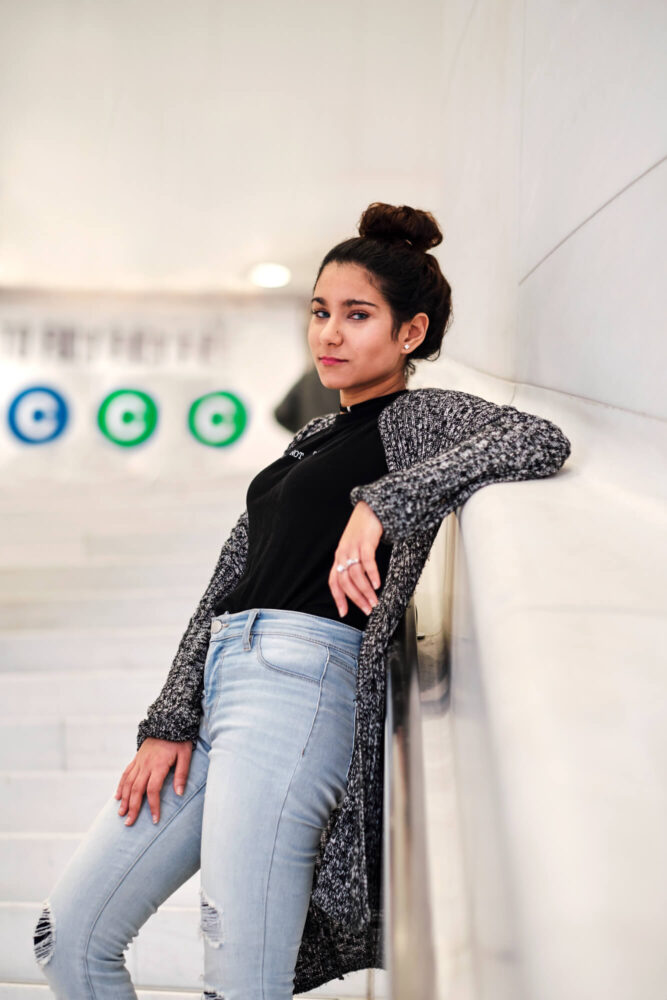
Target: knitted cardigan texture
[{"x": 441, "y": 446}]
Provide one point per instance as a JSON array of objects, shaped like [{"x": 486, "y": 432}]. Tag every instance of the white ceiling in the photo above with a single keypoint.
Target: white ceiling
[{"x": 162, "y": 144}]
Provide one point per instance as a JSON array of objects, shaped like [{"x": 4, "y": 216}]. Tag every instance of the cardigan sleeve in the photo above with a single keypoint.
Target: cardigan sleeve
[
  {"x": 176, "y": 712},
  {"x": 512, "y": 445}
]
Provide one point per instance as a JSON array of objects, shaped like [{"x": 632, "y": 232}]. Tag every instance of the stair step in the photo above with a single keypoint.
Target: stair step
[
  {"x": 101, "y": 609},
  {"x": 199, "y": 546},
  {"x": 79, "y": 692},
  {"x": 58, "y": 801},
  {"x": 36, "y": 581},
  {"x": 147, "y": 646},
  {"x": 32, "y": 862},
  {"x": 71, "y": 744}
]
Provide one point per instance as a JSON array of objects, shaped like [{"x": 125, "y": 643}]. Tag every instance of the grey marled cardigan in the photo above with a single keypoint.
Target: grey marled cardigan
[{"x": 440, "y": 445}]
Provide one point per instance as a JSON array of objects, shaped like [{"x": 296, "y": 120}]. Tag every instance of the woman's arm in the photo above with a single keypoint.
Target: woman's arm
[
  {"x": 176, "y": 712},
  {"x": 510, "y": 446}
]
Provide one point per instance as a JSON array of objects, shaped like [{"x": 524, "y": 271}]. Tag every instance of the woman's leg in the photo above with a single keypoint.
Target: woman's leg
[
  {"x": 280, "y": 714},
  {"x": 118, "y": 876}
]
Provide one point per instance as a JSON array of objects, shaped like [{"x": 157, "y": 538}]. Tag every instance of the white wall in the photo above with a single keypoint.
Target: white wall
[
  {"x": 555, "y": 175},
  {"x": 175, "y": 350},
  {"x": 555, "y": 185}
]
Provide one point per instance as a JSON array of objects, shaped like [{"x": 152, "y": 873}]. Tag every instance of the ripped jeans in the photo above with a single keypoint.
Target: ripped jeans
[{"x": 271, "y": 762}]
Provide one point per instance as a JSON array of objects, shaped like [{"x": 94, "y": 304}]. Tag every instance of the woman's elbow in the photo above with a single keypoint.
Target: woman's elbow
[{"x": 553, "y": 448}]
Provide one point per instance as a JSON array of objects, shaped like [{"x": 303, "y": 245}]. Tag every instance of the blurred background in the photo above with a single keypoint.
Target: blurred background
[{"x": 171, "y": 175}]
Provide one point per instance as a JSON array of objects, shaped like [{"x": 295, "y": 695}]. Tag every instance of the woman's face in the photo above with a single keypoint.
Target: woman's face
[{"x": 352, "y": 321}]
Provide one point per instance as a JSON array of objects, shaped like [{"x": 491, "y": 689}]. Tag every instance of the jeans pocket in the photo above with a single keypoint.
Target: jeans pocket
[
  {"x": 288, "y": 653},
  {"x": 342, "y": 658}
]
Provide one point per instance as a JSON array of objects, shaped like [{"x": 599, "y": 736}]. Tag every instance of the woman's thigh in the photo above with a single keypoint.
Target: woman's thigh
[
  {"x": 115, "y": 880},
  {"x": 280, "y": 717}
]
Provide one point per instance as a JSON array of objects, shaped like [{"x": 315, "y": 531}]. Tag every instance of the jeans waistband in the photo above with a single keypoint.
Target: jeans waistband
[{"x": 256, "y": 619}]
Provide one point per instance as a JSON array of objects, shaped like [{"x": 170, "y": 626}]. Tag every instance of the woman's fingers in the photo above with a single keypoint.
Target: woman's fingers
[
  {"x": 182, "y": 767},
  {"x": 359, "y": 588},
  {"x": 135, "y": 798},
  {"x": 359, "y": 580},
  {"x": 352, "y": 583},
  {"x": 337, "y": 592},
  {"x": 368, "y": 576},
  {"x": 132, "y": 785},
  {"x": 153, "y": 786},
  {"x": 146, "y": 773},
  {"x": 123, "y": 776},
  {"x": 125, "y": 786},
  {"x": 354, "y": 593}
]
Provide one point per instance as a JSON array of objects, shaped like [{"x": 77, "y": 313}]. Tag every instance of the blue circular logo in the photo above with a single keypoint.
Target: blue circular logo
[{"x": 37, "y": 415}]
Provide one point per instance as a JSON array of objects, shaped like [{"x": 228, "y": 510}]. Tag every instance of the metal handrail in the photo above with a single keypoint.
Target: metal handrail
[{"x": 409, "y": 948}]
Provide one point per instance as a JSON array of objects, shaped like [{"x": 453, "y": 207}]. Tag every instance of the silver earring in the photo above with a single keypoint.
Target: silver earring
[{"x": 407, "y": 347}]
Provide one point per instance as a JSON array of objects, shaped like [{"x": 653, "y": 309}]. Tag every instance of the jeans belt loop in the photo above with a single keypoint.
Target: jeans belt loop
[{"x": 248, "y": 626}]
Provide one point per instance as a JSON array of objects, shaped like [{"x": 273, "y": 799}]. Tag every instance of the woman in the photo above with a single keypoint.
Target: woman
[{"x": 272, "y": 715}]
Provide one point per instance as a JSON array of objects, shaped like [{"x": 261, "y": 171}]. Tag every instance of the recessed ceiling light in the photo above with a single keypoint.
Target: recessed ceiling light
[{"x": 267, "y": 275}]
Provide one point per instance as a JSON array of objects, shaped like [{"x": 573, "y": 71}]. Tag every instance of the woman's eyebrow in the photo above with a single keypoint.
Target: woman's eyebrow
[{"x": 347, "y": 302}]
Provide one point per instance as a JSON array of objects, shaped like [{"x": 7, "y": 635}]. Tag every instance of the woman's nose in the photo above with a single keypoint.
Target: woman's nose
[{"x": 331, "y": 334}]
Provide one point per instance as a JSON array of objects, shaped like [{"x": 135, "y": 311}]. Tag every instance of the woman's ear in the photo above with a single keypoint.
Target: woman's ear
[{"x": 416, "y": 331}]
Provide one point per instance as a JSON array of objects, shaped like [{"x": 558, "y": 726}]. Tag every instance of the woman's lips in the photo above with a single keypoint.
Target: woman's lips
[{"x": 332, "y": 361}]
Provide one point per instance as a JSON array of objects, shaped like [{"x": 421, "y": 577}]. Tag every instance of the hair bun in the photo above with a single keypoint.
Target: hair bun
[{"x": 400, "y": 222}]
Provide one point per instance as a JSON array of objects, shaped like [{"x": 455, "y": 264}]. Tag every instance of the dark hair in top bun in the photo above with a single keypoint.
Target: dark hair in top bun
[
  {"x": 399, "y": 222},
  {"x": 392, "y": 247}
]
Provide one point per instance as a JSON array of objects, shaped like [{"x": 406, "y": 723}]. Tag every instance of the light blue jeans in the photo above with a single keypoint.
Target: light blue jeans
[{"x": 271, "y": 762}]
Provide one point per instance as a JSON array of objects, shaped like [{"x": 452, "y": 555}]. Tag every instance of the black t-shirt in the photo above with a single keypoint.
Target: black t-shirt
[{"x": 298, "y": 508}]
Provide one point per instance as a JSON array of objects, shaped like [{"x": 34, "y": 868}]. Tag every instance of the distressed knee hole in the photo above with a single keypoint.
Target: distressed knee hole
[
  {"x": 211, "y": 923},
  {"x": 44, "y": 935},
  {"x": 209, "y": 994}
]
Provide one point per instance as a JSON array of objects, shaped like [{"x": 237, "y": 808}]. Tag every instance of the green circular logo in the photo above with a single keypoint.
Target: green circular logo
[
  {"x": 217, "y": 419},
  {"x": 127, "y": 417}
]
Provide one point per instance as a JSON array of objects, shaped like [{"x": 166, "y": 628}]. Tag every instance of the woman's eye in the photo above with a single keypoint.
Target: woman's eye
[{"x": 316, "y": 312}]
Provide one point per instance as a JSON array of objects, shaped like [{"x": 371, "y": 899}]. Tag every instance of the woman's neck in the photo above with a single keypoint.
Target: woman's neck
[{"x": 354, "y": 394}]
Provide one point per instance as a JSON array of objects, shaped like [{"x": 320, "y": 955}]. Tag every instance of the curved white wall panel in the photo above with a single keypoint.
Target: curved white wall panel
[
  {"x": 592, "y": 315},
  {"x": 594, "y": 114},
  {"x": 554, "y": 195}
]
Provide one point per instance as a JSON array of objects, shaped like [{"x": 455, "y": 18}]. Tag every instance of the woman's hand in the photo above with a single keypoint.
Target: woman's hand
[
  {"x": 146, "y": 774},
  {"x": 359, "y": 541}
]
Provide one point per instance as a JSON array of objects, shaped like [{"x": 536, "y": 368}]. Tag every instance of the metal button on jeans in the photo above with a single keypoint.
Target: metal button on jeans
[{"x": 216, "y": 625}]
